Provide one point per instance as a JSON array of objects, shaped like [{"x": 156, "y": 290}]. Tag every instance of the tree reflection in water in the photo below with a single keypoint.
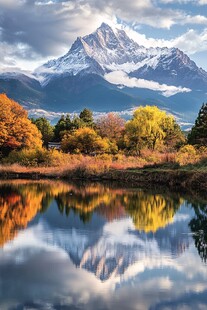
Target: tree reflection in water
[
  {"x": 198, "y": 226},
  {"x": 20, "y": 201},
  {"x": 151, "y": 212}
]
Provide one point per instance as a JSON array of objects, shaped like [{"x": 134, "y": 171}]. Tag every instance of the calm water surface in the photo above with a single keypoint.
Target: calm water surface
[{"x": 96, "y": 246}]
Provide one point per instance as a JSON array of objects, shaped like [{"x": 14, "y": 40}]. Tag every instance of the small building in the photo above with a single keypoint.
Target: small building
[{"x": 54, "y": 146}]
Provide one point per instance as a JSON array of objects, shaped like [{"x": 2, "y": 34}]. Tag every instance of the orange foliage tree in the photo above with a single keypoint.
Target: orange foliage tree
[
  {"x": 111, "y": 126},
  {"x": 16, "y": 130}
]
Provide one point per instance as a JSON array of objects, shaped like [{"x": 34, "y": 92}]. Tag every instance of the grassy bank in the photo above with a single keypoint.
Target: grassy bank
[{"x": 171, "y": 175}]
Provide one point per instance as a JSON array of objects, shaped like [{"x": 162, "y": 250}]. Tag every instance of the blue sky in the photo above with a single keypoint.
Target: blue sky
[{"x": 33, "y": 31}]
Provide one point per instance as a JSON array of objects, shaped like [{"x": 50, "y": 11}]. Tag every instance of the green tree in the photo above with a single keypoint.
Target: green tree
[
  {"x": 77, "y": 123},
  {"x": 150, "y": 127},
  {"x": 64, "y": 125},
  {"x": 68, "y": 122},
  {"x": 199, "y": 229},
  {"x": 59, "y": 127},
  {"x": 45, "y": 128},
  {"x": 86, "y": 116},
  {"x": 198, "y": 134}
]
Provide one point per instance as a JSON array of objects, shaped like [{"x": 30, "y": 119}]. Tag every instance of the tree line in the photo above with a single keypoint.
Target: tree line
[{"x": 149, "y": 128}]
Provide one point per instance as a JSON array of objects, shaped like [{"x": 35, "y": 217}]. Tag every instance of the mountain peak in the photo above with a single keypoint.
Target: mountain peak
[
  {"x": 108, "y": 50},
  {"x": 105, "y": 26},
  {"x": 77, "y": 45}
]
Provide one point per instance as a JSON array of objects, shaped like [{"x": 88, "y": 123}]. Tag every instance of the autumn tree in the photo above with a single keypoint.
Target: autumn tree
[
  {"x": 111, "y": 126},
  {"x": 174, "y": 137},
  {"x": 16, "y": 130},
  {"x": 198, "y": 134},
  {"x": 150, "y": 127},
  {"x": 84, "y": 140},
  {"x": 45, "y": 128}
]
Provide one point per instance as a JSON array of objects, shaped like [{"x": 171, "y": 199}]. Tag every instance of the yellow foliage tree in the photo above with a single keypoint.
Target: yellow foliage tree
[
  {"x": 84, "y": 140},
  {"x": 150, "y": 127},
  {"x": 16, "y": 130}
]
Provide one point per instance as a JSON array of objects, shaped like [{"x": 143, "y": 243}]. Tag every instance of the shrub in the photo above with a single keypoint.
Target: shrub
[
  {"x": 36, "y": 157},
  {"x": 186, "y": 155}
]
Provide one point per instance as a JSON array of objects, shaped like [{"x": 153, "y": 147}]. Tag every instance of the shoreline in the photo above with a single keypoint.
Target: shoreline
[{"x": 174, "y": 179}]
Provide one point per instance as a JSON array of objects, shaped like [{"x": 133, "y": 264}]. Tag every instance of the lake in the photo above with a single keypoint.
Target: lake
[{"x": 101, "y": 246}]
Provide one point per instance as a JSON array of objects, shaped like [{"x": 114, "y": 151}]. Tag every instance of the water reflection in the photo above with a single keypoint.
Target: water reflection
[
  {"x": 198, "y": 225},
  {"x": 95, "y": 246},
  {"x": 19, "y": 203},
  {"x": 21, "y": 200},
  {"x": 152, "y": 211}
]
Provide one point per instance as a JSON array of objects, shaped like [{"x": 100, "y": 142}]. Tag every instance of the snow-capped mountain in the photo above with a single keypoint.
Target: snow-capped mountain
[
  {"x": 108, "y": 71},
  {"x": 107, "y": 50},
  {"x": 100, "y": 52}
]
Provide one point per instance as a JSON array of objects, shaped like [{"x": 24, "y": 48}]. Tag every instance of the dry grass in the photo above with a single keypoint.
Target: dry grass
[
  {"x": 78, "y": 164},
  {"x": 57, "y": 164}
]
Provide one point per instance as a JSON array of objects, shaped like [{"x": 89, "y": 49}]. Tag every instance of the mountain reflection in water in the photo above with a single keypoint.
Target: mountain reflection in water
[{"x": 123, "y": 237}]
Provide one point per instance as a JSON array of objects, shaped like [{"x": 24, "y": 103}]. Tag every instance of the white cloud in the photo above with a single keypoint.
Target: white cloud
[
  {"x": 147, "y": 12},
  {"x": 48, "y": 114},
  {"x": 121, "y": 78},
  {"x": 190, "y": 42},
  {"x": 197, "y": 19},
  {"x": 42, "y": 29},
  {"x": 11, "y": 3},
  {"x": 196, "y": 2}
]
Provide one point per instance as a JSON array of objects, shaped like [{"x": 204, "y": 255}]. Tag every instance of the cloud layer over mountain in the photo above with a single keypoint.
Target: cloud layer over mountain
[{"x": 121, "y": 78}]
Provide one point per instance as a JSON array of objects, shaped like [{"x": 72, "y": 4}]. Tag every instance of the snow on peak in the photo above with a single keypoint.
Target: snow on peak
[
  {"x": 107, "y": 50},
  {"x": 100, "y": 50}
]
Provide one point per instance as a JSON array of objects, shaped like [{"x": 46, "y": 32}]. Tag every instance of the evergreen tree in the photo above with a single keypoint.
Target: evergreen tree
[
  {"x": 45, "y": 128},
  {"x": 198, "y": 134},
  {"x": 86, "y": 116},
  {"x": 60, "y": 126},
  {"x": 77, "y": 123}
]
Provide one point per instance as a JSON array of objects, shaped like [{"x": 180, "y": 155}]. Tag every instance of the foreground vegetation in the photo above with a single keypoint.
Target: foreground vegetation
[{"x": 132, "y": 172}]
